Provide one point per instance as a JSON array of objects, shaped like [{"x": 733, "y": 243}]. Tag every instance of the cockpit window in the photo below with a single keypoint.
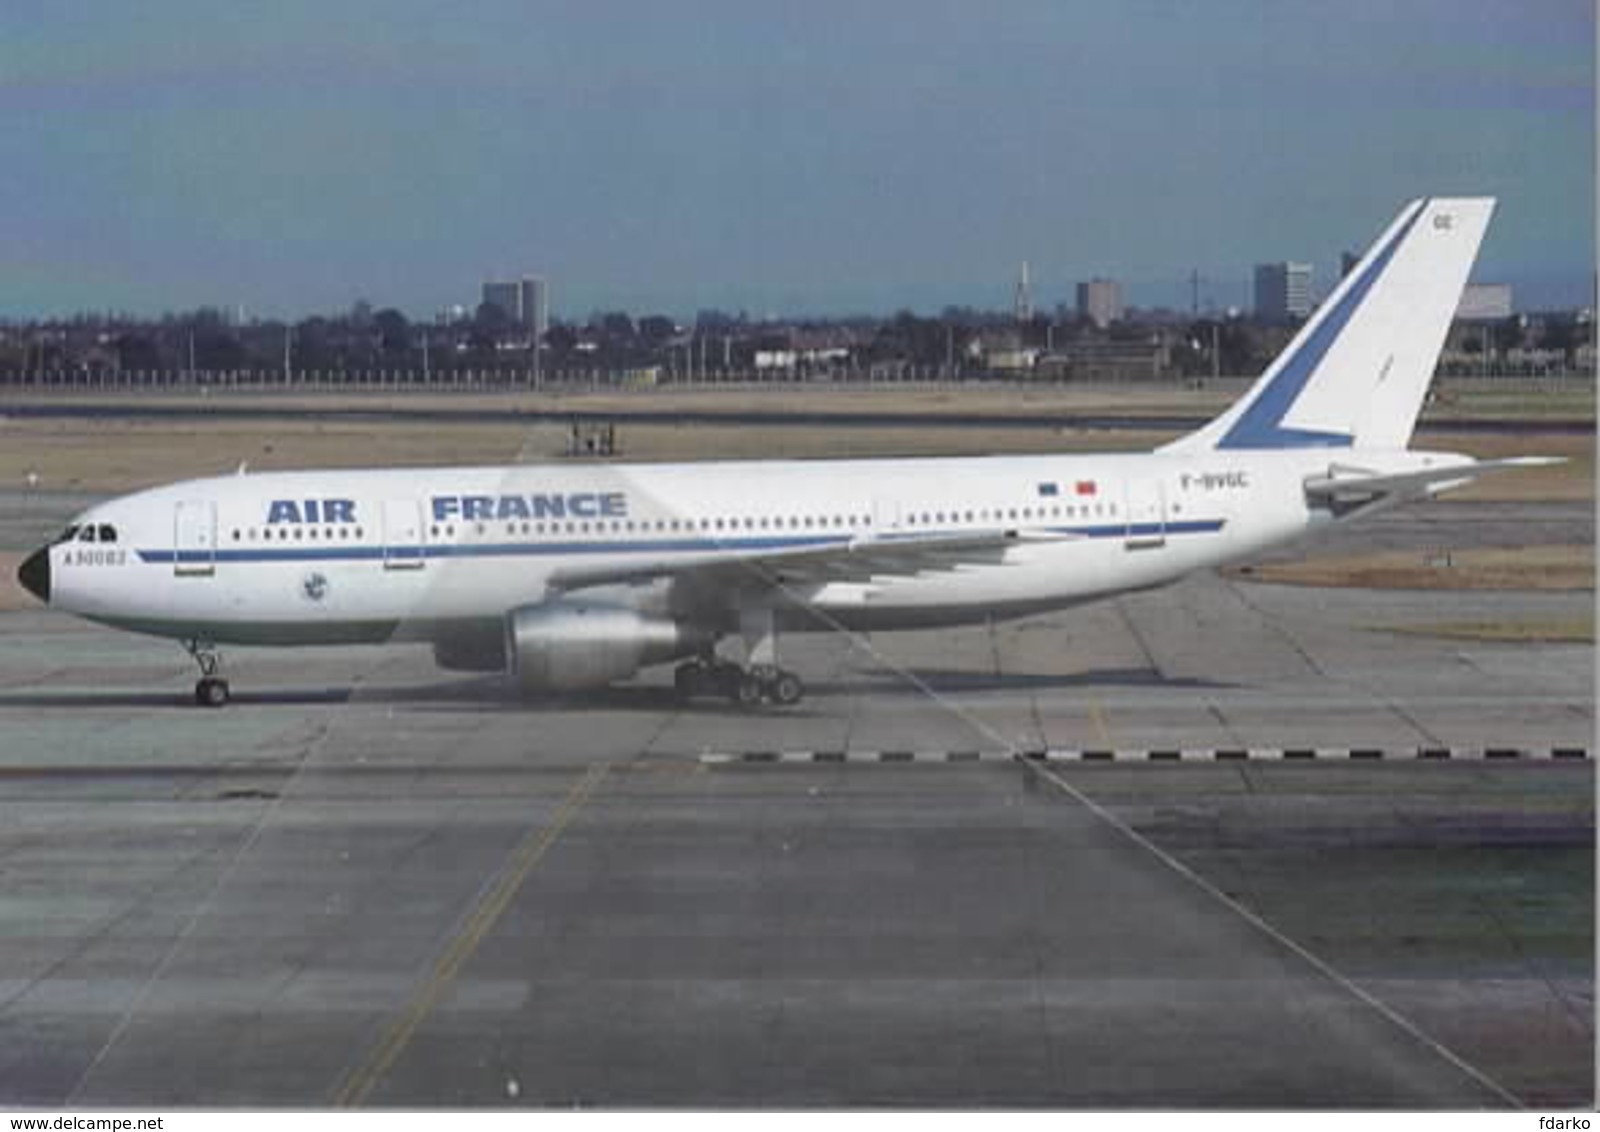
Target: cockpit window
[
  {"x": 67, "y": 535},
  {"x": 86, "y": 534},
  {"x": 108, "y": 533}
]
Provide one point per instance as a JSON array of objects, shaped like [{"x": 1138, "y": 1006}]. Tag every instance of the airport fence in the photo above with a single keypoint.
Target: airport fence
[
  {"x": 615, "y": 381},
  {"x": 399, "y": 381}
]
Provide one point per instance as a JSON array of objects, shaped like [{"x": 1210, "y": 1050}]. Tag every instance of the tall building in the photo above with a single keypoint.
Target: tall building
[
  {"x": 524, "y": 301},
  {"x": 1100, "y": 301},
  {"x": 502, "y": 296},
  {"x": 1483, "y": 302},
  {"x": 1022, "y": 300},
  {"x": 1283, "y": 291},
  {"x": 535, "y": 305}
]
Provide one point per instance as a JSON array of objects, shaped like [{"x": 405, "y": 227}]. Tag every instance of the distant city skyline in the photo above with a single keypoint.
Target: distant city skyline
[{"x": 749, "y": 155}]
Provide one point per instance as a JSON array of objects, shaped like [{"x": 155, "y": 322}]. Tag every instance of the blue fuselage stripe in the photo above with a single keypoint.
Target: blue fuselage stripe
[{"x": 629, "y": 546}]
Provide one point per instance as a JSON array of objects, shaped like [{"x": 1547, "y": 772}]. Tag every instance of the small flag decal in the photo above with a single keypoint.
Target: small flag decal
[
  {"x": 1086, "y": 487},
  {"x": 1048, "y": 490}
]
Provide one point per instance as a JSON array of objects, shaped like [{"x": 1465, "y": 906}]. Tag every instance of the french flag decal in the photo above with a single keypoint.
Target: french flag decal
[{"x": 1086, "y": 487}]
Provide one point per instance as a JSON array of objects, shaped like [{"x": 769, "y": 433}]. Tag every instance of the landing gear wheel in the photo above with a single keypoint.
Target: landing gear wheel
[
  {"x": 748, "y": 690},
  {"x": 211, "y": 691},
  {"x": 786, "y": 688}
]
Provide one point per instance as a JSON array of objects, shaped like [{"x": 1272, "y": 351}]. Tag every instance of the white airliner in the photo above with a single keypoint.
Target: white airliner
[{"x": 577, "y": 576}]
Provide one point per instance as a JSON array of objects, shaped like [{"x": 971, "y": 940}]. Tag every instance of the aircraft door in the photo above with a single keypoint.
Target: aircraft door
[
  {"x": 1146, "y": 510},
  {"x": 194, "y": 538},
  {"x": 402, "y": 534},
  {"x": 885, "y": 516}
]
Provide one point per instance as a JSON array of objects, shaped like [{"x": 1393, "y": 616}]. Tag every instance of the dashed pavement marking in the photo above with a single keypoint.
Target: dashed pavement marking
[{"x": 1153, "y": 755}]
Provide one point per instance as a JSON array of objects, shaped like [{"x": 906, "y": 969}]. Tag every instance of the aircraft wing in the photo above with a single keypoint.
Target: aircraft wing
[
  {"x": 854, "y": 560},
  {"x": 1341, "y": 484}
]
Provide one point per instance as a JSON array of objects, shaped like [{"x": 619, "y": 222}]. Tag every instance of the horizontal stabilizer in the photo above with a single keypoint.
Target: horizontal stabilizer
[{"x": 1347, "y": 484}]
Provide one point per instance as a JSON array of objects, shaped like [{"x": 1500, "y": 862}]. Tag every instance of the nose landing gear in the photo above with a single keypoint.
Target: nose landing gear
[{"x": 211, "y": 690}]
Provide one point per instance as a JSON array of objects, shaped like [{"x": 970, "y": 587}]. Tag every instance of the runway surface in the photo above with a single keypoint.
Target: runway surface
[{"x": 369, "y": 883}]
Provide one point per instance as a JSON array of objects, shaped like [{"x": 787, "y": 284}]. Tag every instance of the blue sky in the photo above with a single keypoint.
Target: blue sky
[{"x": 827, "y": 157}]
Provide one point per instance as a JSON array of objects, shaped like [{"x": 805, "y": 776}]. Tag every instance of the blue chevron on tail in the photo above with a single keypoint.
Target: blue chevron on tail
[{"x": 1356, "y": 374}]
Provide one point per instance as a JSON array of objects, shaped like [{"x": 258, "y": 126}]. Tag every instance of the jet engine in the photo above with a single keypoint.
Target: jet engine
[
  {"x": 471, "y": 652},
  {"x": 580, "y": 644}
]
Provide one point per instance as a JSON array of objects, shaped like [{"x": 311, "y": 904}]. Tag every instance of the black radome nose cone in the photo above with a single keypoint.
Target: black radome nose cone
[{"x": 34, "y": 574}]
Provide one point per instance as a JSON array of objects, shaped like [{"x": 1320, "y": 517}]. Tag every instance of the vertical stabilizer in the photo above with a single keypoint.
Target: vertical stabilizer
[{"x": 1356, "y": 374}]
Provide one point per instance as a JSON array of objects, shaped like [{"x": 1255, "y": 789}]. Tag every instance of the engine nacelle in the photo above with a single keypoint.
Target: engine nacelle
[
  {"x": 579, "y": 644},
  {"x": 480, "y": 652}
]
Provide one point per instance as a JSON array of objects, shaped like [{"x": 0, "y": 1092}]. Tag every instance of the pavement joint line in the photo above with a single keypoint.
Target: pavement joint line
[
  {"x": 1327, "y": 970},
  {"x": 1157, "y": 754},
  {"x": 491, "y": 905}
]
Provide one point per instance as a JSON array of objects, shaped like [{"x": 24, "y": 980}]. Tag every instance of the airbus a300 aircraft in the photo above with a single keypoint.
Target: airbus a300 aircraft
[{"x": 571, "y": 577}]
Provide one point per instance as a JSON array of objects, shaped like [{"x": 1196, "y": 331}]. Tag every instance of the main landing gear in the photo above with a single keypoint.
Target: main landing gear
[
  {"x": 761, "y": 681},
  {"x": 211, "y": 690}
]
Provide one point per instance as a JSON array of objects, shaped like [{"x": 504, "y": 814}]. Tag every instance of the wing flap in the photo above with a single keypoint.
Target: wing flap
[{"x": 854, "y": 560}]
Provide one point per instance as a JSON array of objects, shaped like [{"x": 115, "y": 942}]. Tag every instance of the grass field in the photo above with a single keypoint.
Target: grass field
[
  {"x": 1574, "y": 631},
  {"x": 1478, "y": 568}
]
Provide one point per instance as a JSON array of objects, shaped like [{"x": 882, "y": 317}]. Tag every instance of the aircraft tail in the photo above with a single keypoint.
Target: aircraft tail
[{"x": 1356, "y": 374}]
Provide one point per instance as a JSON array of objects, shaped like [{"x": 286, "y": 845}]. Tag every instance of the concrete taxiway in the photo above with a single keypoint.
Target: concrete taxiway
[{"x": 368, "y": 883}]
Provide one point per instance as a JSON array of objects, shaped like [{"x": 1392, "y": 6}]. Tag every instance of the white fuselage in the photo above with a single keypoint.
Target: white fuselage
[{"x": 348, "y": 556}]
